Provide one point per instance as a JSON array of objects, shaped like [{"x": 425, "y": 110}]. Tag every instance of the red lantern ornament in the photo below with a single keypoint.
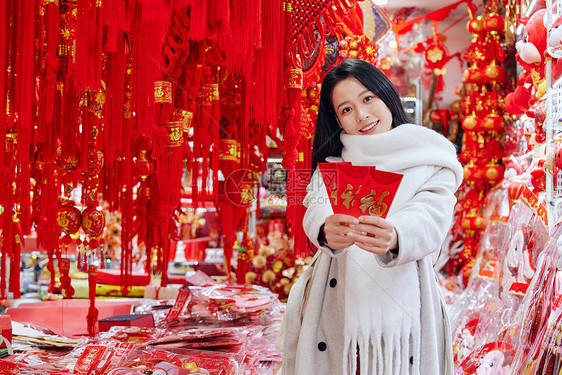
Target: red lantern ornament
[
  {"x": 515, "y": 189},
  {"x": 476, "y": 26},
  {"x": 472, "y": 172},
  {"x": 473, "y": 221},
  {"x": 493, "y": 172},
  {"x": 143, "y": 167},
  {"x": 492, "y": 123},
  {"x": 95, "y": 162},
  {"x": 494, "y": 73},
  {"x": 69, "y": 218},
  {"x": 471, "y": 123},
  {"x": 93, "y": 222},
  {"x": 68, "y": 163},
  {"x": 474, "y": 75},
  {"x": 494, "y": 23}
]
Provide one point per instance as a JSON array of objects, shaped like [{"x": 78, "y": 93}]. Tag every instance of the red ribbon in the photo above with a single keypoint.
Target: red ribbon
[{"x": 436, "y": 15}]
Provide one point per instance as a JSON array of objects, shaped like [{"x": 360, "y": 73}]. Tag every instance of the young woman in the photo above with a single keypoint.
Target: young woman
[{"x": 370, "y": 303}]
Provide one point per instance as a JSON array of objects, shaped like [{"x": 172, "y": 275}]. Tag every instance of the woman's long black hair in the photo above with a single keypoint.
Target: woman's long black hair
[{"x": 327, "y": 134}]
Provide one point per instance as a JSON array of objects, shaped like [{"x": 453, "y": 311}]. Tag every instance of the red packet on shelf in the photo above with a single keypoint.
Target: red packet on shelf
[{"x": 363, "y": 190}]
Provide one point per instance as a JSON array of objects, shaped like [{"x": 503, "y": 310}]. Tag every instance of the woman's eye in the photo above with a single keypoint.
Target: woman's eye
[
  {"x": 345, "y": 110},
  {"x": 368, "y": 98}
]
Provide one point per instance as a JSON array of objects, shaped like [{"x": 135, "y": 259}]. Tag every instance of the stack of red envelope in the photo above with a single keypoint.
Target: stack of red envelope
[{"x": 359, "y": 190}]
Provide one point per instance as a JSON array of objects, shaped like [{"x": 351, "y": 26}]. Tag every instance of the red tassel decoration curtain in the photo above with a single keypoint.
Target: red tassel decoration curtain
[{"x": 268, "y": 67}]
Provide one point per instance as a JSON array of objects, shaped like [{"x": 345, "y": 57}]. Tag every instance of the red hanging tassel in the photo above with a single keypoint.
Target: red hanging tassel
[
  {"x": 78, "y": 254},
  {"x": 218, "y": 19},
  {"x": 215, "y": 133},
  {"x": 92, "y": 317},
  {"x": 146, "y": 41},
  {"x": 241, "y": 265},
  {"x": 245, "y": 35},
  {"x": 7, "y": 248},
  {"x": 113, "y": 15},
  {"x": 102, "y": 258},
  {"x": 15, "y": 264},
  {"x": 291, "y": 126},
  {"x": 126, "y": 205},
  {"x": 198, "y": 29},
  {"x": 65, "y": 281},
  {"x": 298, "y": 210},
  {"x": 268, "y": 67},
  {"x": 24, "y": 106},
  {"x": 84, "y": 28},
  {"x": 70, "y": 135},
  {"x": 51, "y": 268},
  {"x": 112, "y": 135}
]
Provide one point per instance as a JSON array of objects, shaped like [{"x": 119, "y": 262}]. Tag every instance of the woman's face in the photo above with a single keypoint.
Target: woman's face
[{"x": 358, "y": 110}]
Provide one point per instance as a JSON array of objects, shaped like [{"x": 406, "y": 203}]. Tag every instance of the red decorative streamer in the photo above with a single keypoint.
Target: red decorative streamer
[{"x": 436, "y": 15}]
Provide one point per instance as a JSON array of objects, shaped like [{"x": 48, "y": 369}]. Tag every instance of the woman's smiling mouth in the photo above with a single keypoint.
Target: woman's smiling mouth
[{"x": 370, "y": 127}]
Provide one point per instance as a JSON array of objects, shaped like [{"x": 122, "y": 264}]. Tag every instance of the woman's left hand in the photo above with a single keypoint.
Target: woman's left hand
[{"x": 374, "y": 234}]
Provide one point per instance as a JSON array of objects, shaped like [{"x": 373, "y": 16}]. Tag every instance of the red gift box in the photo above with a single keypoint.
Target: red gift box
[{"x": 127, "y": 320}]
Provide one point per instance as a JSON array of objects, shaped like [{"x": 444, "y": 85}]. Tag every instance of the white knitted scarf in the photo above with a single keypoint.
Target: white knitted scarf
[
  {"x": 382, "y": 319},
  {"x": 400, "y": 148}
]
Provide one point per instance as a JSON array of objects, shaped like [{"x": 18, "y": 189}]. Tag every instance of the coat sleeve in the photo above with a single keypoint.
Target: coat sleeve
[
  {"x": 318, "y": 208},
  {"x": 423, "y": 222}
]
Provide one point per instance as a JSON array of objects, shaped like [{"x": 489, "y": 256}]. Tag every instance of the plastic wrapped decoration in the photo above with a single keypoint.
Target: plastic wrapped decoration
[
  {"x": 231, "y": 302},
  {"x": 518, "y": 258},
  {"x": 179, "y": 362},
  {"x": 491, "y": 358},
  {"x": 474, "y": 307},
  {"x": 524, "y": 241},
  {"x": 475, "y": 304},
  {"x": 479, "y": 316},
  {"x": 534, "y": 316}
]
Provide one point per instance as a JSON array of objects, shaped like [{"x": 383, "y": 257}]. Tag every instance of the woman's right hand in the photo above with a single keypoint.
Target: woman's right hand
[{"x": 336, "y": 229}]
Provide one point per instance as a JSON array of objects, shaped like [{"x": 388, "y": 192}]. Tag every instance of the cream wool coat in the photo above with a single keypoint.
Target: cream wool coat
[{"x": 313, "y": 337}]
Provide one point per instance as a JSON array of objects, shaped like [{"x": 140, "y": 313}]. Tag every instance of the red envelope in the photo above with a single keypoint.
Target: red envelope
[
  {"x": 384, "y": 187},
  {"x": 364, "y": 190},
  {"x": 329, "y": 173}
]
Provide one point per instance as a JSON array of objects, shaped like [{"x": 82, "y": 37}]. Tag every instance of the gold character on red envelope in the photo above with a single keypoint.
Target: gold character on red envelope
[
  {"x": 373, "y": 205},
  {"x": 334, "y": 194},
  {"x": 348, "y": 196}
]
